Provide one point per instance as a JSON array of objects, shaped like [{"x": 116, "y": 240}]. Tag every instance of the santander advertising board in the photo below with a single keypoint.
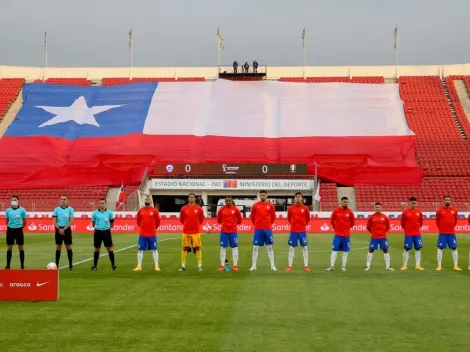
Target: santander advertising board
[{"x": 172, "y": 225}]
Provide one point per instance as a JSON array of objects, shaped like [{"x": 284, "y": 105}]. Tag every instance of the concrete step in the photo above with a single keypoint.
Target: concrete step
[
  {"x": 349, "y": 192},
  {"x": 464, "y": 98},
  {"x": 112, "y": 197},
  {"x": 11, "y": 113}
]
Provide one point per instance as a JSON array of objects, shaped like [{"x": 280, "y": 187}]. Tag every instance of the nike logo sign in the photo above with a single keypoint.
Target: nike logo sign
[{"x": 41, "y": 284}]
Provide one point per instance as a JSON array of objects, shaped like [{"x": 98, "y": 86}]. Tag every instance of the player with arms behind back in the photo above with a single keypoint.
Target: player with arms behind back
[
  {"x": 411, "y": 222},
  {"x": 298, "y": 216},
  {"x": 230, "y": 217},
  {"x": 15, "y": 219},
  {"x": 102, "y": 220},
  {"x": 191, "y": 216},
  {"x": 378, "y": 225},
  {"x": 446, "y": 219},
  {"x": 262, "y": 216},
  {"x": 63, "y": 218},
  {"x": 148, "y": 220},
  {"x": 342, "y": 220}
]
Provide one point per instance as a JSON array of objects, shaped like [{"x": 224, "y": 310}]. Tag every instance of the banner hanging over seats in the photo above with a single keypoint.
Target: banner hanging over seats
[{"x": 67, "y": 135}]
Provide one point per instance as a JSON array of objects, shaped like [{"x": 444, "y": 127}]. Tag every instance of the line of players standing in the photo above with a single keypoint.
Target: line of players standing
[{"x": 262, "y": 216}]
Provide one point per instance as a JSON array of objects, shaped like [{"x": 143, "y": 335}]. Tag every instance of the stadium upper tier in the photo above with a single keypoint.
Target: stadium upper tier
[{"x": 435, "y": 109}]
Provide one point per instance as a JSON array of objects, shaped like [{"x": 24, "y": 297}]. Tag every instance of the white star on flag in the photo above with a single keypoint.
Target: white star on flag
[{"x": 78, "y": 112}]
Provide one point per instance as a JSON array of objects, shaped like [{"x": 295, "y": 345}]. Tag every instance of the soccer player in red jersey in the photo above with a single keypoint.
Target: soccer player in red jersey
[
  {"x": 148, "y": 220},
  {"x": 378, "y": 225},
  {"x": 411, "y": 222},
  {"x": 342, "y": 220},
  {"x": 262, "y": 216},
  {"x": 191, "y": 216},
  {"x": 230, "y": 217},
  {"x": 298, "y": 216},
  {"x": 446, "y": 219}
]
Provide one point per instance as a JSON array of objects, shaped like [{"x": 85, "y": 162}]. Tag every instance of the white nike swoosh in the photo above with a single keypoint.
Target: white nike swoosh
[{"x": 41, "y": 284}]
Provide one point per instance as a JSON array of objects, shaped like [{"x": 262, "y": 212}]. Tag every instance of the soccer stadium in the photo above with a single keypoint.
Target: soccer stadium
[{"x": 268, "y": 189}]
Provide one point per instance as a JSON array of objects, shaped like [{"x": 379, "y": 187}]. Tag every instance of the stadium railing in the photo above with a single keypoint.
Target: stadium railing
[
  {"x": 240, "y": 70},
  {"x": 132, "y": 202}
]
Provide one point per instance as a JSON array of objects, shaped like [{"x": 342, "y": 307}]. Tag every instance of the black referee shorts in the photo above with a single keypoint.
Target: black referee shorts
[
  {"x": 102, "y": 237},
  {"x": 66, "y": 238},
  {"x": 15, "y": 236}
]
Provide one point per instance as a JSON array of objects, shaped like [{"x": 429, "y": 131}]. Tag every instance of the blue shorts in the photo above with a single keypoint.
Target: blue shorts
[
  {"x": 227, "y": 239},
  {"x": 376, "y": 242},
  {"x": 298, "y": 237},
  {"x": 416, "y": 241},
  {"x": 147, "y": 243},
  {"x": 262, "y": 237},
  {"x": 341, "y": 243},
  {"x": 447, "y": 240}
]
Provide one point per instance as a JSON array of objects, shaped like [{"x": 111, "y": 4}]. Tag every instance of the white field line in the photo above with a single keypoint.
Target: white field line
[
  {"x": 45, "y": 255},
  {"x": 106, "y": 253}
]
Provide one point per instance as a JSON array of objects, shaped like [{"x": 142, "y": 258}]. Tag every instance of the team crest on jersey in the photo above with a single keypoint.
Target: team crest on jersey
[
  {"x": 151, "y": 213},
  {"x": 382, "y": 219},
  {"x": 347, "y": 215},
  {"x": 233, "y": 211},
  {"x": 302, "y": 211},
  {"x": 452, "y": 212},
  {"x": 267, "y": 207},
  {"x": 195, "y": 211}
]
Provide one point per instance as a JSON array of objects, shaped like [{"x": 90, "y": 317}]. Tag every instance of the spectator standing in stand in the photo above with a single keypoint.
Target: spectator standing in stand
[{"x": 235, "y": 66}]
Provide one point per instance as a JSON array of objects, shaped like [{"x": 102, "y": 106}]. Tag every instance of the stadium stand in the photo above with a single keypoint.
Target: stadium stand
[
  {"x": 441, "y": 146},
  {"x": 114, "y": 81},
  {"x": 329, "y": 196},
  {"x": 439, "y": 142},
  {"x": 432, "y": 109},
  {"x": 9, "y": 90},
  {"x": 395, "y": 198},
  {"x": 81, "y": 198}
]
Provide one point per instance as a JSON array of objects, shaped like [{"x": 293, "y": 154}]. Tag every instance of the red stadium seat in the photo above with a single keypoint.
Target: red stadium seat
[
  {"x": 429, "y": 194},
  {"x": 112, "y": 81},
  {"x": 69, "y": 81},
  {"x": 9, "y": 90},
  {"x": 80, "y": 198}
]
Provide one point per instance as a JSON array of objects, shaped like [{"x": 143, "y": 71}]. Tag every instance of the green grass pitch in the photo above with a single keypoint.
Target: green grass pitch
[{"x": 260, "y": 311}]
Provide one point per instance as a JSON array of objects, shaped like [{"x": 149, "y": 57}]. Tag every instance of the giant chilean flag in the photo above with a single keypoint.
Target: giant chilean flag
[{"x": 67, "y": 135}]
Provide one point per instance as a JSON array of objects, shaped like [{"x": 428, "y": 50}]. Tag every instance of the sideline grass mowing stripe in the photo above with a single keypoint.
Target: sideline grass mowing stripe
[{"x": 281, "y": 311}]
